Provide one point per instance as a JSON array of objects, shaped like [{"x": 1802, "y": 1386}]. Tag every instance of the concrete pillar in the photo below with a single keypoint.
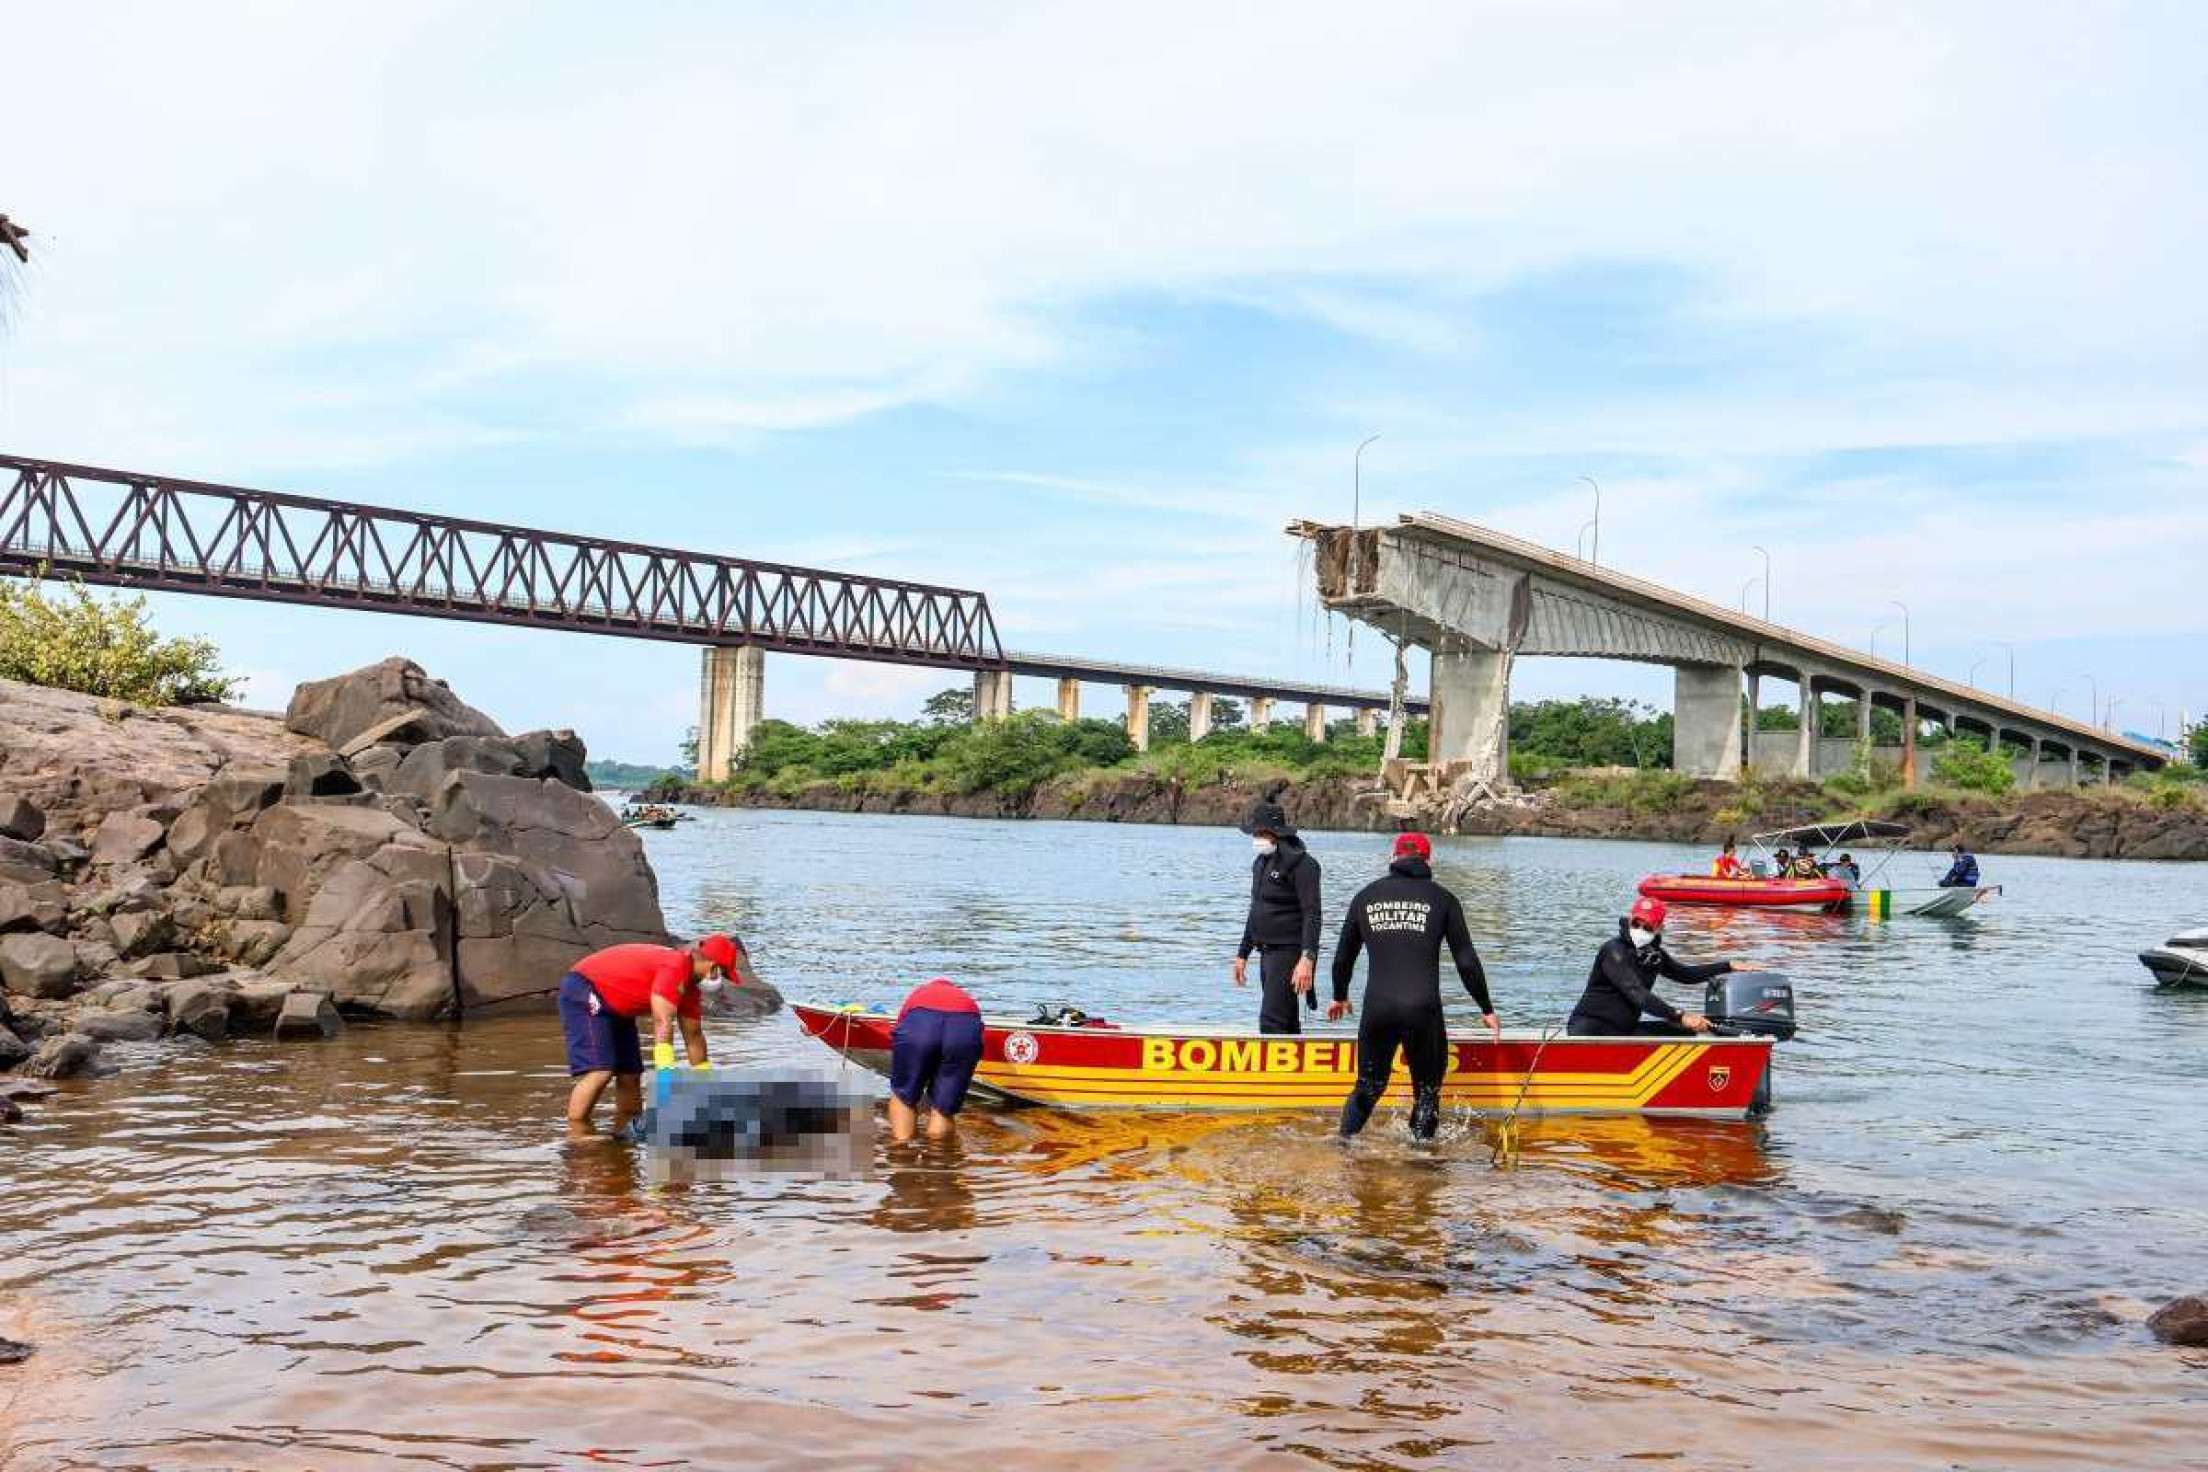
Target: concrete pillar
[
  {"x": 1138, "y": 716},
  {"x": 1470, "y": 718},
  {"x": 1069, "y": 701},
  {"x": 1863, "y": 720},
  {"x": 1909, "y": 741},
  {"x": 1398, "y": 717},
  {"x": 1199, "y": 715},
  {"x": 1261, "y": 713},
  {"x": 732, "y": 692},
  {"x": 1314, "y": 722},
  {"x": 2075, "y": 775},
  {"x": 1368, "y": 721},
  {"x": 1755, "y": 704},
  {"x": 1810, "y": 724},
  {"x": 1705, "y": 721},
  {"x": 992, "y": 694},
  {"x": 2032, "y": 781}
]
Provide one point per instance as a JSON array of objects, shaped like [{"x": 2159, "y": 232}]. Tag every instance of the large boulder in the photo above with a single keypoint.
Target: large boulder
[
  {"x": 27, "y": 863},
  {"x": 142, "y": 932},
  {"x": 38, "y": 965},
  {"x": 32, "y": 907},
  {"x": 308, "y": 1015},
  {"x": 63, "y": 1056},
  {"x": 2182, "y": 1321},
  {"x": 223, "y": 805},
  {"x": 393, "y": 701},
  {"x": 559, "y": 755},
  {"x": 546, "y": 875},
  {"x": 103, "y": 1026},
  {"x": 377, "y": 936},
  {"x": 423, "y": 770},
  {"x": 201, "y": 1008},
  {"x": 298, "y": 845}
]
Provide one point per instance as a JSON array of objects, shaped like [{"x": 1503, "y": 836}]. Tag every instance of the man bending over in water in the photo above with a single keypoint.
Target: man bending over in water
[
  {"x": 601, "y": 999},
  {"x": 1403, "y": 920}
]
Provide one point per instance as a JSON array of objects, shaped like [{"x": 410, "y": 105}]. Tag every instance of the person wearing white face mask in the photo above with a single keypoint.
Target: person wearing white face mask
[
  {"x": 602, "y": 999},
  {"x": 1283, "y": 923},
  {"x": 1621, "y": 988}
]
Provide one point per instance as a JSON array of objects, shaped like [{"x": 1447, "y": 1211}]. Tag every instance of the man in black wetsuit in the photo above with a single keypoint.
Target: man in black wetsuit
[
  {"x": 1283, "y": 923},
  {"x": 1621, "y": 987},
  {"x": 1403, "y": 920}
]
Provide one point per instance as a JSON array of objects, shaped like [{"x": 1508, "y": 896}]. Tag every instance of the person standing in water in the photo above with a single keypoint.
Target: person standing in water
[
  {"x": 1403, "y": 919},
  {"x": 1621, "y": 988},
  {"x": 601, "y": 1000},
  {"x": 933, "y": 1052},
  {"x": 1283, "y": 923}
]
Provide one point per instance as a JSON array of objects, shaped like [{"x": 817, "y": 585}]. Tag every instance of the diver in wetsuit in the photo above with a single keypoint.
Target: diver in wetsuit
[
  {"x": 1621, "y": 987},
  {"x": 1403, "y": 920}
]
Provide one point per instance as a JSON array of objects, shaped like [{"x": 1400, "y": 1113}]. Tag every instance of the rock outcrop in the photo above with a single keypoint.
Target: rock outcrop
[
  {"x": 2181, "y": 1321},
  {"x": 385, "y": 850}
]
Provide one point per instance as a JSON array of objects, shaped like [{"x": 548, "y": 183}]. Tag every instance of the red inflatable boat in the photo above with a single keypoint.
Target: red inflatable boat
[{"x": 1762, "y": 894}]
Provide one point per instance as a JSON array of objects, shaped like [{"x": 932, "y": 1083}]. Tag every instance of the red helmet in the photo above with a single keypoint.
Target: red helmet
[
  {"x": 1649, "y": 912},
  {"x": 1413, "y": 846}
]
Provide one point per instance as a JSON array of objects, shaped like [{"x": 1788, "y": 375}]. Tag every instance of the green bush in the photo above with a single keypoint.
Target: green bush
[
  {"x": 103, "y": 647},
  {"x": 1964, "y": 762},
  {"x": 1017, "y": 755}
]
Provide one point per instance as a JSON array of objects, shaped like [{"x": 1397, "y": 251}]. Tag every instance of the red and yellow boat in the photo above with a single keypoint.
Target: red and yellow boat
[{"x": 1097, "y": 1067}]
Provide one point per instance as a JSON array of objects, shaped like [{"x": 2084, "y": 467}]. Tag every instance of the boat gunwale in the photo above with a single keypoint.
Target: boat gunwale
[{"x": 1226, "y": 1031}]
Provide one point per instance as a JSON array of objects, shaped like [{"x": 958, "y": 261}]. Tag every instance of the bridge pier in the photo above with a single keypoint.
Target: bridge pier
[
  {"x": 1809, "y": 725},
  {"x": 1909, "y": 741},
  {"x": 1469, "y": 720},
  {"x": 1747, "y": 736},
  {"x": 1069, "y": 701},
  {"x": 1261, "y": 713},
  {"x": 1138, "y": 716},
  {"x": 1705, "y": 720},
  {"x": 1368, "y": 721},
  {"x": 732, "y": 694},
  {"x": 992, "y": 695},
  {"x": 1314, "y": 723},
  {"x": 1199, "y": 715}
]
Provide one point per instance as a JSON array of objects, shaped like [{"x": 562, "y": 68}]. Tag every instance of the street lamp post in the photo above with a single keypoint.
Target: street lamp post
[
  {"x": 1579, "y": 543},
  {"x": 2094, "y": 719},
  {"x": 2113, "y": 702},
  {"x": 1882, "y": 628},
  {"x": 1744, "y": 587},
  {"x": 2005, "y": 644},
  {"x": 1904, "y": 627},
  {"x": 1596, "y": 555},
  {"x": 1766, "y": 586},
  {"x": 1357, "y": 477},
  {"x": 1972, "y": 678}
]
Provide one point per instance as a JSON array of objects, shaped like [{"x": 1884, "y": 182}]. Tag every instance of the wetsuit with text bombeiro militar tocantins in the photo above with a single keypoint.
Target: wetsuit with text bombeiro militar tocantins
[{"x": 1403, "y": 920}]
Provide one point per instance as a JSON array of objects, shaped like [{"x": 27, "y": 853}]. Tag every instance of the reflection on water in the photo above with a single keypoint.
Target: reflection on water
[{"x": 382, "y": 1251}]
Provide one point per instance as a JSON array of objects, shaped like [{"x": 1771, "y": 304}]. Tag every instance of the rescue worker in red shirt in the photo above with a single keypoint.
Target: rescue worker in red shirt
[
  {"x": 933, "y": 1052},
  {"x": 602, "y": 998}
]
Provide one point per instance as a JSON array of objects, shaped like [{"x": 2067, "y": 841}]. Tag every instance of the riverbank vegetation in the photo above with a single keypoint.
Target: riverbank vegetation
[{"x": 72, "y": 640}]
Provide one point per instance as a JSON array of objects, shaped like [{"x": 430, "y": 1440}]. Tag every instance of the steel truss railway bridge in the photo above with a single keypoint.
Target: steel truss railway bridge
[{"x": 159, "y": 533}]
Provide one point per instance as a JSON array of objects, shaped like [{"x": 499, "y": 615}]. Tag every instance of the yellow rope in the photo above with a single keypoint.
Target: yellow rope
[{"x": 1506, "y": 1133}]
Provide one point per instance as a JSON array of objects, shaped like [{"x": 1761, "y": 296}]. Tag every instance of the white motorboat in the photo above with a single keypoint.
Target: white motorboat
[{"x": 2182, "y": 960}]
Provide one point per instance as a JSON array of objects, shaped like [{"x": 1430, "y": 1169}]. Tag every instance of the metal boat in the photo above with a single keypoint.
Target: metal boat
[
  {"x": 2182, "y": 960},
  {"x": 1087, "y": 1064}
]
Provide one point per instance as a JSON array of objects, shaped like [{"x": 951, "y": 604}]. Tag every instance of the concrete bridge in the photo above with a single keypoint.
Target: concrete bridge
[{"x": 1479, "y": 600}]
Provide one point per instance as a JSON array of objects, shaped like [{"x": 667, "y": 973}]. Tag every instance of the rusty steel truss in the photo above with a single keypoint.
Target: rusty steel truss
[{"x": 160, "y": 534}]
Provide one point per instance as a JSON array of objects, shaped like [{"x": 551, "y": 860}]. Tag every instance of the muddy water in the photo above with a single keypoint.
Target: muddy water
[{"x": 1988, "y": 1162}]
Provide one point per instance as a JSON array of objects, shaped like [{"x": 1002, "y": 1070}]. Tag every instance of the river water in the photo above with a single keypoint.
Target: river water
[{"x": 1987, "y": 1162}]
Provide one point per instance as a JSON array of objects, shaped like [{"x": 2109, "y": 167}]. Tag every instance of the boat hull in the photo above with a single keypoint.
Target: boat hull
[
  {"x": 1226, "y": 1069},
  {"x": 2173, "y": 968},
  {"x": 1937, "y": 904},
  {"x": 1749, "y": 894}
]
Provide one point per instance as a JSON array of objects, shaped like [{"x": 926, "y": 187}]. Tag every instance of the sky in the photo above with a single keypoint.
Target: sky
[{"x": 1079, "y": 305}]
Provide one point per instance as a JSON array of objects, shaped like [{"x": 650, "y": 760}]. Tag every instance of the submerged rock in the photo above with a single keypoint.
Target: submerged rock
[
  {"x": 14, "y": 1351},
  {"x": 308, "y": 1014},
  {"x": 65, "y": 1056},
  {"x": 2181, "y": 1321}
]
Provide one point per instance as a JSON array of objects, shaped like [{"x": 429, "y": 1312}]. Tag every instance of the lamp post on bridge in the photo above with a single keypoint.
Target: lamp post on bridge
[
  {"x": 1744, "y": 587},
  {"x": 1971, "y": 679},
  {"x": 2005, "y": 644},
  {"x": 2093, "y": 717},
  {"x": 1904, "y": 627},
  {"x": 1357, "y": 481},
  {"x": 1595, "y": 554},
  {"x": 1882, "y": 628},
  {"x": 2113, "y": 702},
  {"x": 1766, "y": 586}
]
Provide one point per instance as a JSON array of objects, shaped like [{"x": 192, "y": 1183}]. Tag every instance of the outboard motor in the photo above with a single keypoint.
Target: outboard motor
[{"x": 1758, "y": 1003}]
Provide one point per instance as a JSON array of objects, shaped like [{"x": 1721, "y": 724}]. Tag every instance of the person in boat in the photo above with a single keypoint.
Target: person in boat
[
  {"x": 1621, "y": 989},
  {"x": 1727, "y": 864},
  {"x": 1847, "y": 872},
  {"x": 933, "y": 1052},
  {"x": 1806, "y": 866},
  {"x": 1283, "y": 923},
  {"x": 1782, "y": 862},
  {"x": 1403, "y": 919},
  {"x": 602, "y": 998},
  {"x": 1963, "y": 873}
]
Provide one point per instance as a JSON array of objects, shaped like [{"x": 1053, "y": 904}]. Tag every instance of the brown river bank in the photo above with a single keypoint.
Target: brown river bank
[{"x": 2091, "y": 824}]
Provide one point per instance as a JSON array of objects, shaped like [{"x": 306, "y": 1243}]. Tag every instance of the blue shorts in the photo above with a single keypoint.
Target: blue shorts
[
  {"x": 933, "y": 1055},
  {"x": 598, "y": 1041}
]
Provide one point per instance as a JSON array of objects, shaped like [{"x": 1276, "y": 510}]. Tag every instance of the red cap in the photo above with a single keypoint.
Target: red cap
[
  {"x": 1413, "y": 846},
  {"x": 1649, "y": 910},
  {"x": 722, "y": 951}
]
